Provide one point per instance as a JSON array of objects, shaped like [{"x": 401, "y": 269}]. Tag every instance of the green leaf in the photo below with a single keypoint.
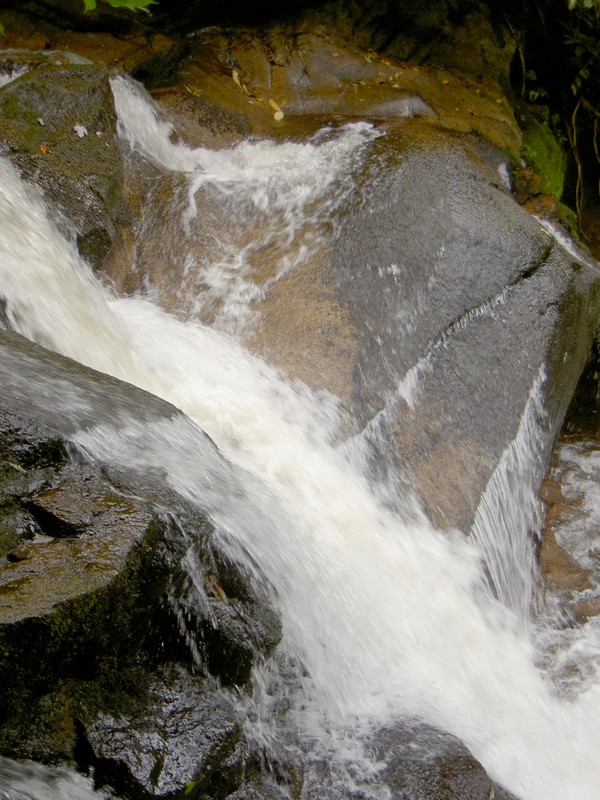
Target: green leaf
[
  {"x": 133, "y": 5},
  {"x": 13, "y": 466}
]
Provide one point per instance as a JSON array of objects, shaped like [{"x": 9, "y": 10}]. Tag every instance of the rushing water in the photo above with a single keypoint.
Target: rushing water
[{"x": 388, "y": 616}]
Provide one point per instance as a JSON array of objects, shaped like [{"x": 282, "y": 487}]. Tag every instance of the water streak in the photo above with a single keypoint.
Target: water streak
[{"x": 508, "y": 515}]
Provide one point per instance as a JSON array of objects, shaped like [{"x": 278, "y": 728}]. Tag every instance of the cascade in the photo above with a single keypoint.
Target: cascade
[{"x": 388, "y": 616}]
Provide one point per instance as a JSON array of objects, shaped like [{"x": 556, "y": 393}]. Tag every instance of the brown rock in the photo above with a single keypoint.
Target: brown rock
[
  {"x": 558, "y": 568},
  {"x": 585, "y": 608}
]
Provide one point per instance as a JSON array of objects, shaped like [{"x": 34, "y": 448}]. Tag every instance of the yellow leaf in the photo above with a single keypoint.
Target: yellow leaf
[
  {"x": 275, "y": 105},
  {"x": 191, "y": 89},
  {"x": 278, "y": 116},
  {"x": 214, "y": 587},
  {"x": 236, "y": 78}
]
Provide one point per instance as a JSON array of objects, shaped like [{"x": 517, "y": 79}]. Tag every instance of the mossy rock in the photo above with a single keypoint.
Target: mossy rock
[
  {"x": 58, "y": 125},
  {"x": 543, "y": 153}
]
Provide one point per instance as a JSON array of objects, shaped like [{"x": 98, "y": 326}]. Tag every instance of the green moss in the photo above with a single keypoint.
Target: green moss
[
  {"x": 20, "y": 124},
  {"x": 544, "y": 154}
]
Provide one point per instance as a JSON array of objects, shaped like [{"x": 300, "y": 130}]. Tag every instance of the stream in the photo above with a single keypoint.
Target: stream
[{"x": 384, "y": 616}]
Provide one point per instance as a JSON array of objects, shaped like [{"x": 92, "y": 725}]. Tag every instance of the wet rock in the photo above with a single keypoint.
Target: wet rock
[
  {"x": 423, "y": 763},
  {"x": 309, "y": 72},
  {"x": 570, "y": 544},
  {"x": 58, "y": 126},
  {"x": 16, "y": 528},
  {"x": 111, "y": 36},
  {"x": 181, "y": 740},
  {"x": 100, "y": 584},
  {"x": 200, "y": 122},
  {"x": 557, "y": 567},
  {"x": 431, "y": 304},
  {"x": 25, "y": 445},
  {"x": 430, "y": 307}
]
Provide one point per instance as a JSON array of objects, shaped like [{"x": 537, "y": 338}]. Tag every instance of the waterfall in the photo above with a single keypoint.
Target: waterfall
[
  {"x": 389, "y": 617},
  {"x": 508, "y": 513}
]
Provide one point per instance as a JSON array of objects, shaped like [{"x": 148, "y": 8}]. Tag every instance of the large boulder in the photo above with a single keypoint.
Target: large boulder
[
  {"x": 424, "y": 297},
  {"x": 97, "y": 604}
]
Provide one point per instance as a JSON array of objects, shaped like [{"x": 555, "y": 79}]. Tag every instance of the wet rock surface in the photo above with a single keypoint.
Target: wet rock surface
[
  {"x": 58, "y": 127},
  {"x": 184, "y": 738},
  {"x": 570, "y": 544},
  {"x": 434, "y": 247},
  {"x": 422, "y": 763},
  {"x": 91, "y": 589}
]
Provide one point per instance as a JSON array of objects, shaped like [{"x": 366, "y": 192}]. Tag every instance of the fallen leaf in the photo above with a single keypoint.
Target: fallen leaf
[
  {"x": 278, "y": 116},
  {"x": 45, "y": 149},
  {"x": 274, "y": 104},
  {"x": 236, "y": 78},
  {"x": 214, "y": 587},
  {"x": 80, "y": 130},
  {"x": 191, "y": 90}
]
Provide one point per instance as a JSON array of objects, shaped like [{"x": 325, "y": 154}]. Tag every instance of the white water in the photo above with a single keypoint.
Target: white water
[
  {"x": 508, "y": 512},
  {"x": 289, "y": 190},
  {"x": 388, "y": 617},
  {"x": 31, "y": 781}
]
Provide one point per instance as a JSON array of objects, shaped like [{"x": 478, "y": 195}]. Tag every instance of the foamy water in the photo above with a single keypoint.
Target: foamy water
[{"x": 388, "y": 617}]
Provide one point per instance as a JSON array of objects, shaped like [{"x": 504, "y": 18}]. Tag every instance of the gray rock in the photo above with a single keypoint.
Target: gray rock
[
  {"x": 181, "y": 739},
  {"x": 93, "y": 590},
  {"x": 423, "y": 763}
]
